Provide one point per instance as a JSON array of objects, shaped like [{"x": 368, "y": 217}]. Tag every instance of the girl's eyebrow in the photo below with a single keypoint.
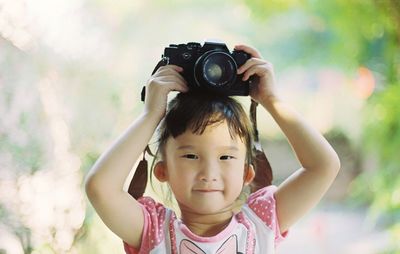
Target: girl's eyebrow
[
  {"x": 185, "y": 147},
  {"x": 233, "y": 148}
]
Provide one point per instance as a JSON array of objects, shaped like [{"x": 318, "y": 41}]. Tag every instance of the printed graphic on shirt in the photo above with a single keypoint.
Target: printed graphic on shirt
[{"x": 228, "y": 247}]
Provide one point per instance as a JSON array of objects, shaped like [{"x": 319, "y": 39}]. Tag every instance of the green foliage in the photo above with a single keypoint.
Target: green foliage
[
  {"x": 381, "y": 188},
  {"x": 27, "y": 155},
  {"x": 88, "y": 161},
  {"x": 263, "y": 9},
  {"x": 383, "y": 124},
  {"x": 345, "y": 33},
  {"x": 351, "y": 34}
]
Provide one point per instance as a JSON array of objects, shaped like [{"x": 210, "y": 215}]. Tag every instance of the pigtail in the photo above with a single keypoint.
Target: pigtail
[
  {"x": 138, "y": 183},
  {"x": 261, "y": 164}
]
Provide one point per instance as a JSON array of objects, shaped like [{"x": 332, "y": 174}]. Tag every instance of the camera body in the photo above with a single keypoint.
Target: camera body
[{"x": 211, "y": 67}]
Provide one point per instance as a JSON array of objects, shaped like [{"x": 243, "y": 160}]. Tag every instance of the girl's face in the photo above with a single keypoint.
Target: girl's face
[{"x": 206, "y": 172}]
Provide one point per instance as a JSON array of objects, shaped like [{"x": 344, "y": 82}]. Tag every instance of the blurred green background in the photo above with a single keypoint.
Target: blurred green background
[{"x": 71, "y": 72}]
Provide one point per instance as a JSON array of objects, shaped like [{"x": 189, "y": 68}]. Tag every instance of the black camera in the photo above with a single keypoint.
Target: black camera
[{"x": 210, "y": 67}]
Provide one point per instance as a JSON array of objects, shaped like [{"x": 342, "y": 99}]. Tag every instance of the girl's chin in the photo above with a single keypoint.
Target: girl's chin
[{"x": 206, "y": 209}]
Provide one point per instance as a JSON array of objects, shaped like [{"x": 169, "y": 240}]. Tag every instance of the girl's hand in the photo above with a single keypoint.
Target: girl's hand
[
  {"x": 263, "y": 88},
  {"x": 163, "y": 81}
]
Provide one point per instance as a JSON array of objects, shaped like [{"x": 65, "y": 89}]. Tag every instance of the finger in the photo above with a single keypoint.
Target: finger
[
  {"x": 168, "y": 72},
  {"x": 250, "y": 50},
  {"x": 249, "y": 63},
  {"x": 171, "y": 80},
  {"x": 174, "y": 67},
  {"x": 176, "y": 86},
  {"x": 259, "y": 70},
  {"x": 171, "y": 75},
  {"x": 181, "y": 79},
  {"x": 169, "y": 69}
]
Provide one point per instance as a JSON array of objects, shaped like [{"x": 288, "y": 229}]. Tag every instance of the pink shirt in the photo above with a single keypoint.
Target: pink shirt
[{"x": 254, "y": 229}]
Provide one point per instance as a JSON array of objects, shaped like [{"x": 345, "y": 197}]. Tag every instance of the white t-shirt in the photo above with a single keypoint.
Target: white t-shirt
[{"x": 255, "y": 229}]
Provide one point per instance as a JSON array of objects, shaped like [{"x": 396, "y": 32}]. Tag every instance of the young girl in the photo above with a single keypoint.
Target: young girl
[{"x": 206, "y": 144}]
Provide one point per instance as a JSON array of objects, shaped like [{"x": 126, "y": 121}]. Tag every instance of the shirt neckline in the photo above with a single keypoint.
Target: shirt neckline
[{"x": 218, "y": 237}]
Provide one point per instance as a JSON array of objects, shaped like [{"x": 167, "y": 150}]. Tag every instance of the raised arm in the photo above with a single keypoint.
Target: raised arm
[
  {"x": 320, "y": 164},
  {"x": 104, "y": 182}
]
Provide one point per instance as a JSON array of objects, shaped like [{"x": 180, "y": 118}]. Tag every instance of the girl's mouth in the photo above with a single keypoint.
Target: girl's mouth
[{"x": 207, "y": 190}]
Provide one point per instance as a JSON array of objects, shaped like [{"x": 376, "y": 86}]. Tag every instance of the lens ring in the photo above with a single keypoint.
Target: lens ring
[{"x": 215, "y": 70}]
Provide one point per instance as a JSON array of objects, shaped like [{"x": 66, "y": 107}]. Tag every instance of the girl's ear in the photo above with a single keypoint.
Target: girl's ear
[
  {"x": 160, "y": 171},
  {"x": 249, "y": 174}
]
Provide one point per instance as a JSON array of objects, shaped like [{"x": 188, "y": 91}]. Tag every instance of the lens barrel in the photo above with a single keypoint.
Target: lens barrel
[{"x": 216, "y": 70}]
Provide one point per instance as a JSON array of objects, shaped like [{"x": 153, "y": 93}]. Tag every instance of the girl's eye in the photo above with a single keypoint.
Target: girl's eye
[
  {"x": 226, "y": 157},
  {"x": 190, "y": 156}
]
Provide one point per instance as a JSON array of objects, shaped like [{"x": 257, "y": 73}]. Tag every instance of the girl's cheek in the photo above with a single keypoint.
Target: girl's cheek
[{"x": 185, "y": 163}]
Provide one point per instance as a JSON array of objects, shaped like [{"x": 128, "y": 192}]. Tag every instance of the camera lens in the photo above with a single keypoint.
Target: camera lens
[{"x": 215, "y": 70}]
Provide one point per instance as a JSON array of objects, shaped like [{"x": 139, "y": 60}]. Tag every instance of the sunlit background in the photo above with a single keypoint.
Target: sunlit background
[{"x": 71, "y": 72}]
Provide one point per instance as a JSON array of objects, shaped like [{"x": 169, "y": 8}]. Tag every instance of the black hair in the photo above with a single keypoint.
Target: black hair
[{"x": 196, "y": 111}]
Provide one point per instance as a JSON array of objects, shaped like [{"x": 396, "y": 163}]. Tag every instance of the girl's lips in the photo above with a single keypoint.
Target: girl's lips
[{"x": 207, "y": 190}]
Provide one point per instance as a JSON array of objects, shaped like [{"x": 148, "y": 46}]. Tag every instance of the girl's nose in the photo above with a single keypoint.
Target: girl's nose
[
  {"x": 209, "y": 172},
  {"x": 208, "y": 179}
]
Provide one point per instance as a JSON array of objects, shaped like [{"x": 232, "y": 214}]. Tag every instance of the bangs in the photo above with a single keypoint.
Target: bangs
[
  {"x": 196, "y": 112},
  {"x": 198, "y": 124}
]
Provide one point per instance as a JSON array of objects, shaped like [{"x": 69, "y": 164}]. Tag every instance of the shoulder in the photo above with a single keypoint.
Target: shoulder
[
  {"x": 154, "y": 214},
  {"x": 263, "y": 197},
  {"x": 263, "y": 205},
  {"x": 150, "y": 205}
]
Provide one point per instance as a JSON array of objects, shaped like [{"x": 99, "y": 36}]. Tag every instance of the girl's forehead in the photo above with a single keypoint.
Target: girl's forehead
[{"x": 216, "y": 134}]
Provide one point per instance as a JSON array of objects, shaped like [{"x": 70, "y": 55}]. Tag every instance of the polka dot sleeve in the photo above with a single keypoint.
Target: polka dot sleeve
[
  {"x": 153, "y": 234},
  {"x": 262, "y": 202}
]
